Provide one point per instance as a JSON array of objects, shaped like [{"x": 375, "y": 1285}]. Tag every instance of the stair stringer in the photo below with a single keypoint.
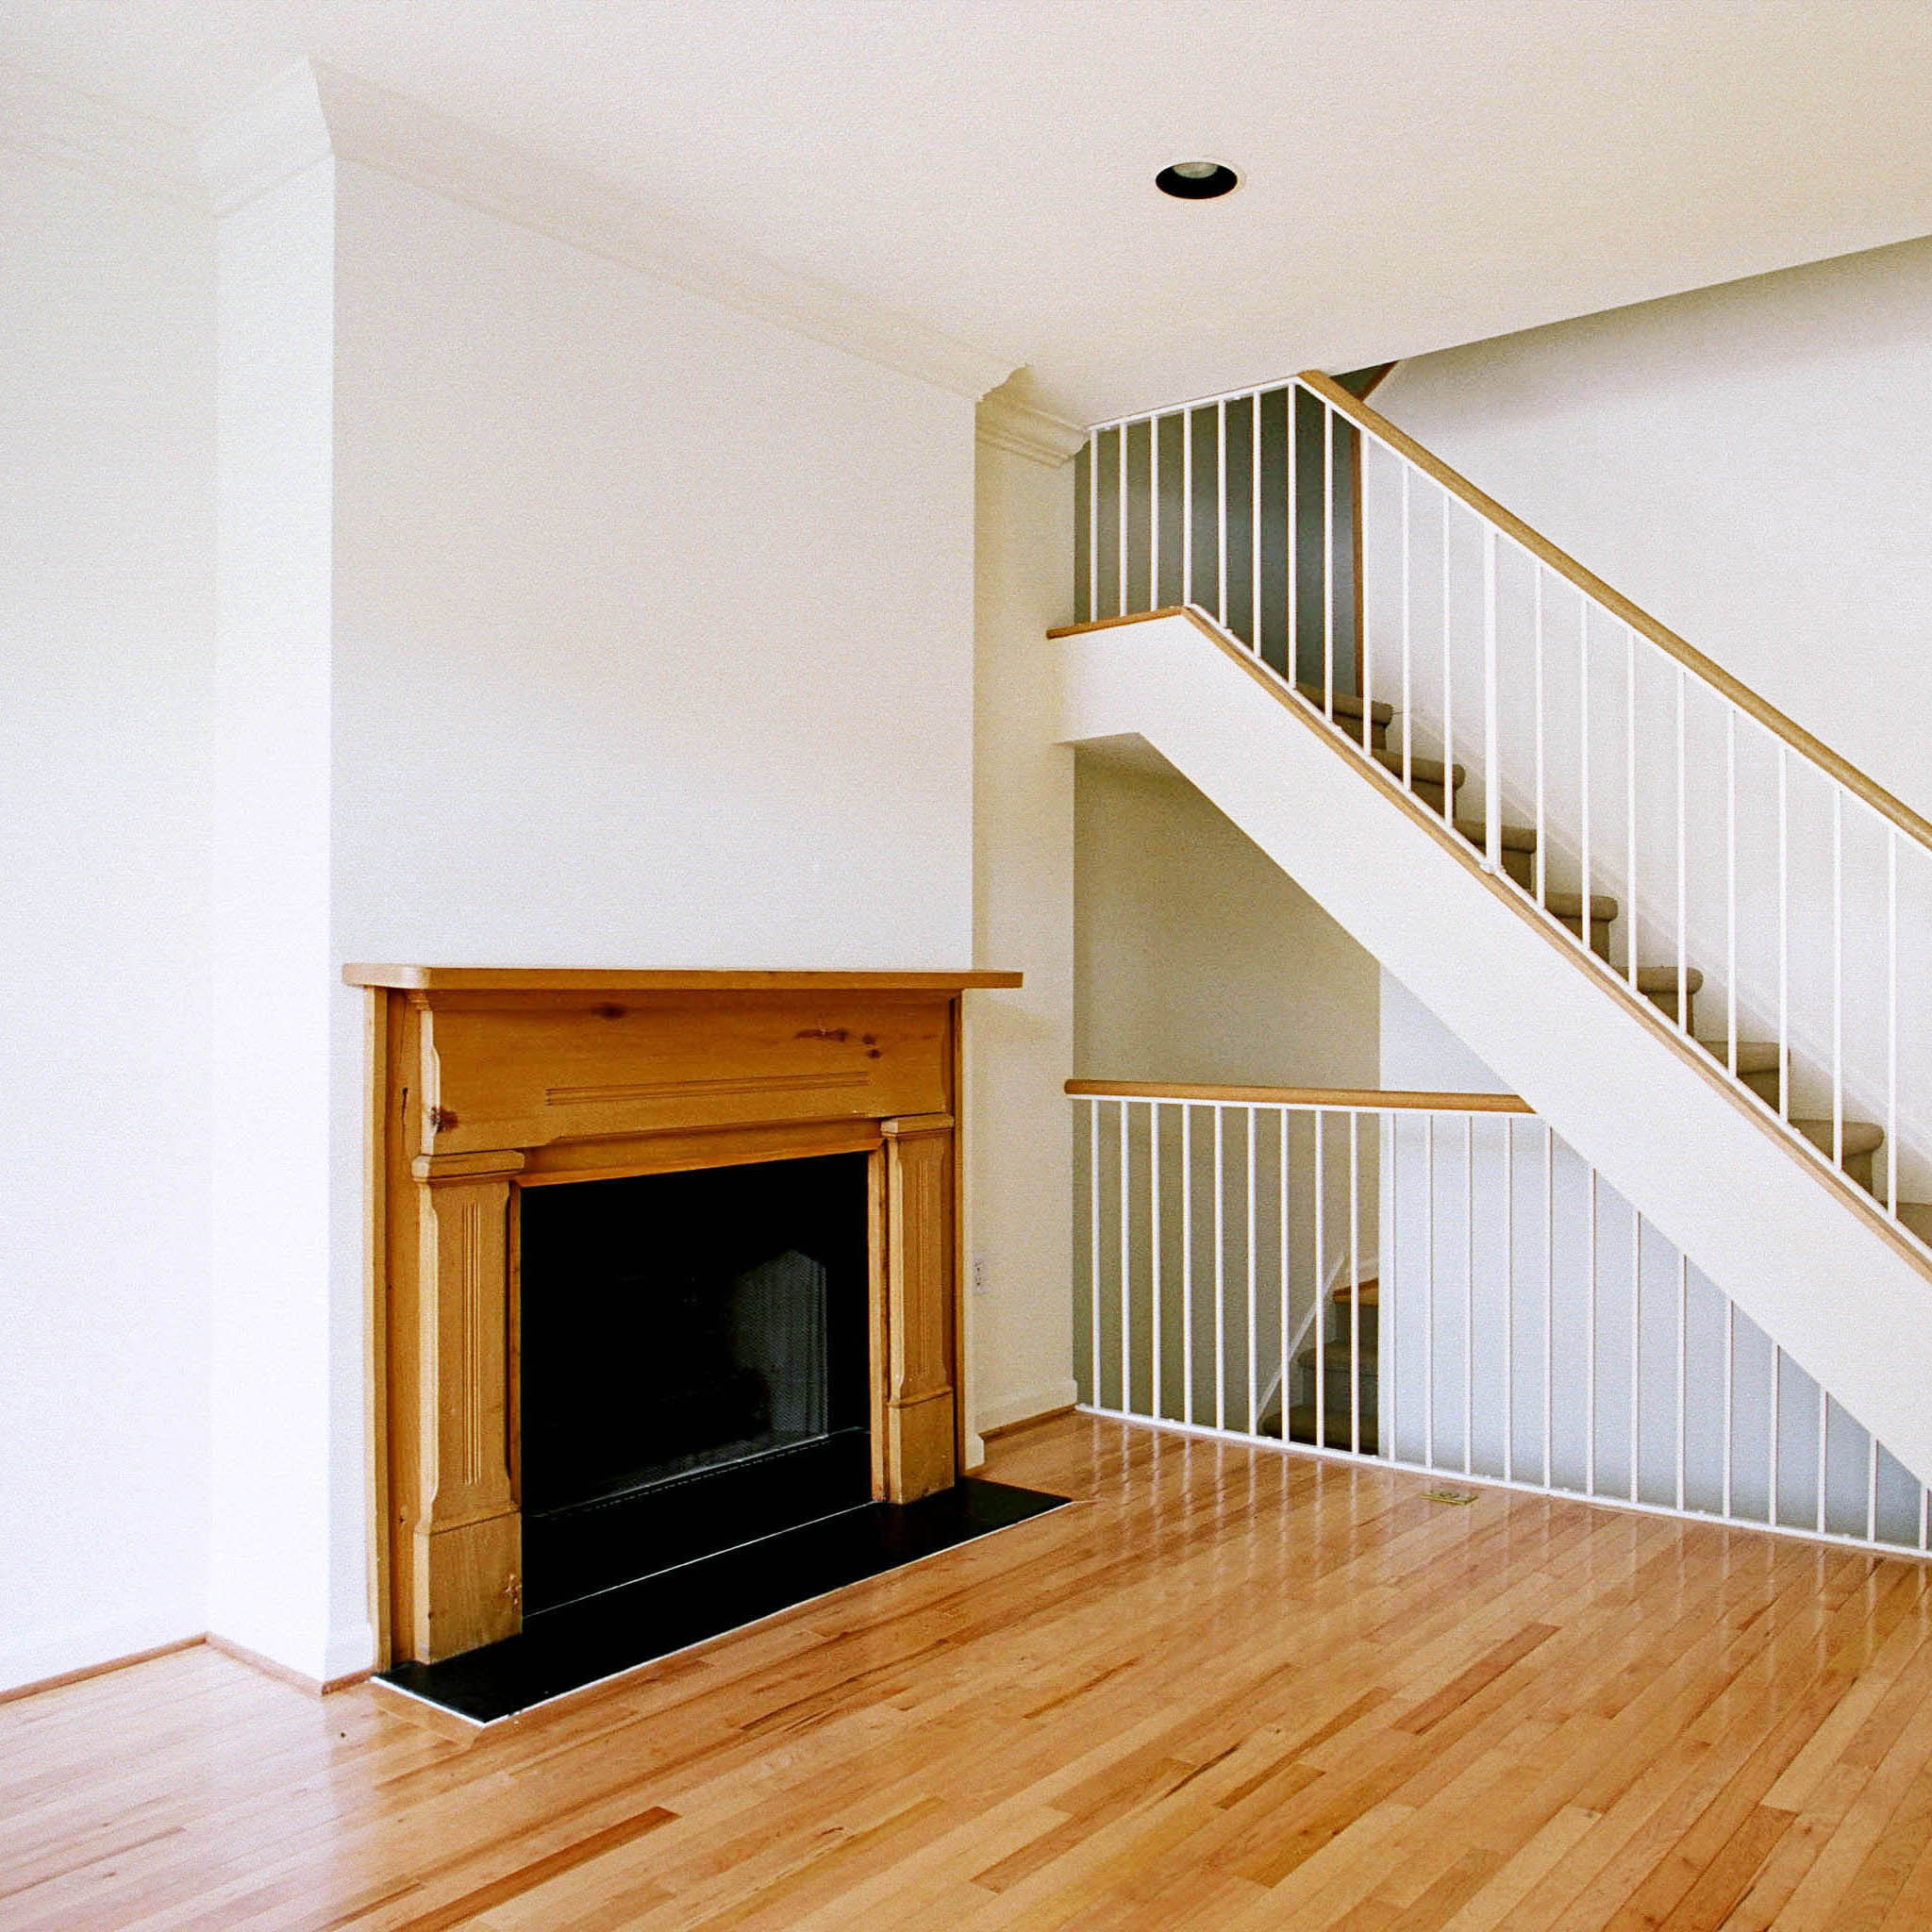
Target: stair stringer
[{"x": 1818, "y": 1270}]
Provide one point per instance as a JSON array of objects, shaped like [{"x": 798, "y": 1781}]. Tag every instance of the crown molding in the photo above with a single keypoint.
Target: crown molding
[
  {"x": 316, "y": 110},
  {"x": 1005, "y": 422},
  {"x": 57, "y": 124},
  {"x": 271, "y": 138}
]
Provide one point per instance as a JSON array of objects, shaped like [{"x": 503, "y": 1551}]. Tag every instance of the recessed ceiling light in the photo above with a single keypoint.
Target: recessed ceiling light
[{"x": 1197, "y": 181}]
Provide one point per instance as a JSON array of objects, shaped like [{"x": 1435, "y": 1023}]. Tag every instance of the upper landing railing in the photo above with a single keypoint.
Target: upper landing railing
[{"x": 1667, "y": 818}]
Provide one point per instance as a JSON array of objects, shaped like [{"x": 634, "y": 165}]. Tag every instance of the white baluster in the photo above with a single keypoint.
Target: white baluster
[
  {"x": 1541, "y": 821},
  {"x": 1682, "y": 876},
  {"x": 1731, "y": 889},
  {"x": 1188, "y": 507},
  {"x": 1890, "y": 1021},
  {"x": 1784, "y": 935},
  {"x": 1468, "y": 1293},
  {"x": 1590, "y": 1352},
  {"x": 1407, "y": 647},
  {"x": 1093, "y": 1243},
  {"x": 1429, "y": 1293},
  {"x": 1292, "y": 659},
  {"x": 1127, "y": 1273},
  {"x": 1284, "y": 1271},
  {"x": 1508, "y": 1298},
  {"x": 1188, "y": 1262},
  {"x": 1838, "y": 975},
  {"x": 1255, "y": 531},
  {"x": 1321, "y": 1280},
  {"x": 1492, "y": 756},
  {"x": 1448, "y": 675},
  {"x": 1253, "y": 1418},
  {"x": 1683, "y": 1342},
  {"x": 1583, "y": 729},
  {"x": 1221, "y": 510},
  {"x": 1636, "y": 1347},
  {"x": 1154, "y": 513},
  {"x": 1220, "y": 1277},
  {"x": 1355, "y": 1282},
  {"x": 1328, "y": 562},
  {"x": 1632, "y": 914},
  {"x": 1158, "y": 1404}
]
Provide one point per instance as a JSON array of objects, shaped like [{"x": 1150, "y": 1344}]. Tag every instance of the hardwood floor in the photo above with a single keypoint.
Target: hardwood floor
[{"x": 1230, "y": 1688}]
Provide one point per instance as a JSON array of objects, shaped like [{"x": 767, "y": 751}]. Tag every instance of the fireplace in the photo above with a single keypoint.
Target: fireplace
[
  {"x": 694, "y": 1366},
  {"x": 656, "y": 1259}
]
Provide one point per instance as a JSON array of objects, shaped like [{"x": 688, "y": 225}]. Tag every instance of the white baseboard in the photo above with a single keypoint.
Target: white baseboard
[
  {"x": 1003, "y": 1411},
  {"x": 350, "y": 1654},
  {"x": 342, "y": 1655},
  {"x": 94, "y": 1646}
]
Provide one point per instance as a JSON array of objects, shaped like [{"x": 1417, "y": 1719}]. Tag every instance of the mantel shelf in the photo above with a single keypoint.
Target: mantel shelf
[{"x": 674, "y": 979}]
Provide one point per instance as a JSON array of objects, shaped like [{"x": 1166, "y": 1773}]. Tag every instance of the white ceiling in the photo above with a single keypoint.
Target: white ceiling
[{"x": 1420, "y": 172}]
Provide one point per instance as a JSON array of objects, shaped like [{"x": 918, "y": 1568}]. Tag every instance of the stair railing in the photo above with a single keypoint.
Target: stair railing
[
  {"x": 1612, "y": 761},
  {"x": 1437, "y": 1282}
]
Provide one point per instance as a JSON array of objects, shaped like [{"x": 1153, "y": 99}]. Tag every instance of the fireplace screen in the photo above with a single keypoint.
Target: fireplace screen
[{"x": 693, "y": 1365}]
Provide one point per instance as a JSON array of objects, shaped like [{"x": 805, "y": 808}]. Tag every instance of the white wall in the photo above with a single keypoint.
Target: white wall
[
  {"x": 653, "y": 620},
  {"x": 1020, "y": 1044},
  {"x": 1419, "y": 1054},
  {"x": 276, "y": 1463},
  {"x": 645, "y": 640},
  {"x": 107, "y": 451},
  {"x": 1196, "y": 958}
]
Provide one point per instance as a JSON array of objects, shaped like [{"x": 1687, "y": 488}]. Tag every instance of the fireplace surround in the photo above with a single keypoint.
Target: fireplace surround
[{"x": 488, "y": 1084}]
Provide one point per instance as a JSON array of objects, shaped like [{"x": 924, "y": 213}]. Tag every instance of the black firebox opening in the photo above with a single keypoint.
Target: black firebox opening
[{"x": 694, "y": 1365}]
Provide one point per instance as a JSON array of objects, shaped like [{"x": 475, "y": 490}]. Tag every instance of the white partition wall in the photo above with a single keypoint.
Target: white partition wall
[{"x": 571, "y": 617}]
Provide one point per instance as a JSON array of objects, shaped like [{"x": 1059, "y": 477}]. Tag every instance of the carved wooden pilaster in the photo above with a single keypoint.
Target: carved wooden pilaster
[
  {"x": 917, "y": 1449},
  {"x": 462, "y": 1515}
]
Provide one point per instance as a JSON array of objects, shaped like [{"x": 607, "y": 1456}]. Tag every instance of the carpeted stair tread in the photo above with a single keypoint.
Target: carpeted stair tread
[
  {"x": 1336, "y": 1359},
  {"x": 1421, "y": 771},
  {"x": 1655, "y": 979},
  {"x": 1345, "y": 706},
  {"x": 1917, "y": 1215},
  {"x": 1515, "y": 838},
  {"x": 1860, "y": 1137},
  {"x": 1753, "y": 1056},
  {"x": 1603, "y": 909}
]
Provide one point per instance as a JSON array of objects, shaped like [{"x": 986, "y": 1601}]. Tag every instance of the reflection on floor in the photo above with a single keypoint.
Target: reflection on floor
[
  {"x": 564, "y": 1649},
  {"x": 1228, "y": 1688}
]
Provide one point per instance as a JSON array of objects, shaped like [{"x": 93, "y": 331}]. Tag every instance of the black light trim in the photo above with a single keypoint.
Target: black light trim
[{"x": 1197, "y": 181}]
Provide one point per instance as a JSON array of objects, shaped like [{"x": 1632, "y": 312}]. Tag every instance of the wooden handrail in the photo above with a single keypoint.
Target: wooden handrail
[
  {"x": 1711, "y": 1069},
  {"x": 1367, "y": 1099},
  {"x": 1666, "y": 640}
]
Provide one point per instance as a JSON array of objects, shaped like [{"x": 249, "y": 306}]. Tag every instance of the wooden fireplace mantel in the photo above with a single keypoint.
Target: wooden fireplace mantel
[
  {"x": 487, "y": 1080},
  {"x": 664, "y": 980}
]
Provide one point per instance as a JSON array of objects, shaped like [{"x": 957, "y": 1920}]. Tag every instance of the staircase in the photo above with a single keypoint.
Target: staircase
[
  {"x": 1334, "y": 1388},
  {"x": 1551, "y": 743},
  {"x": 1851, "y": 1143}
]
